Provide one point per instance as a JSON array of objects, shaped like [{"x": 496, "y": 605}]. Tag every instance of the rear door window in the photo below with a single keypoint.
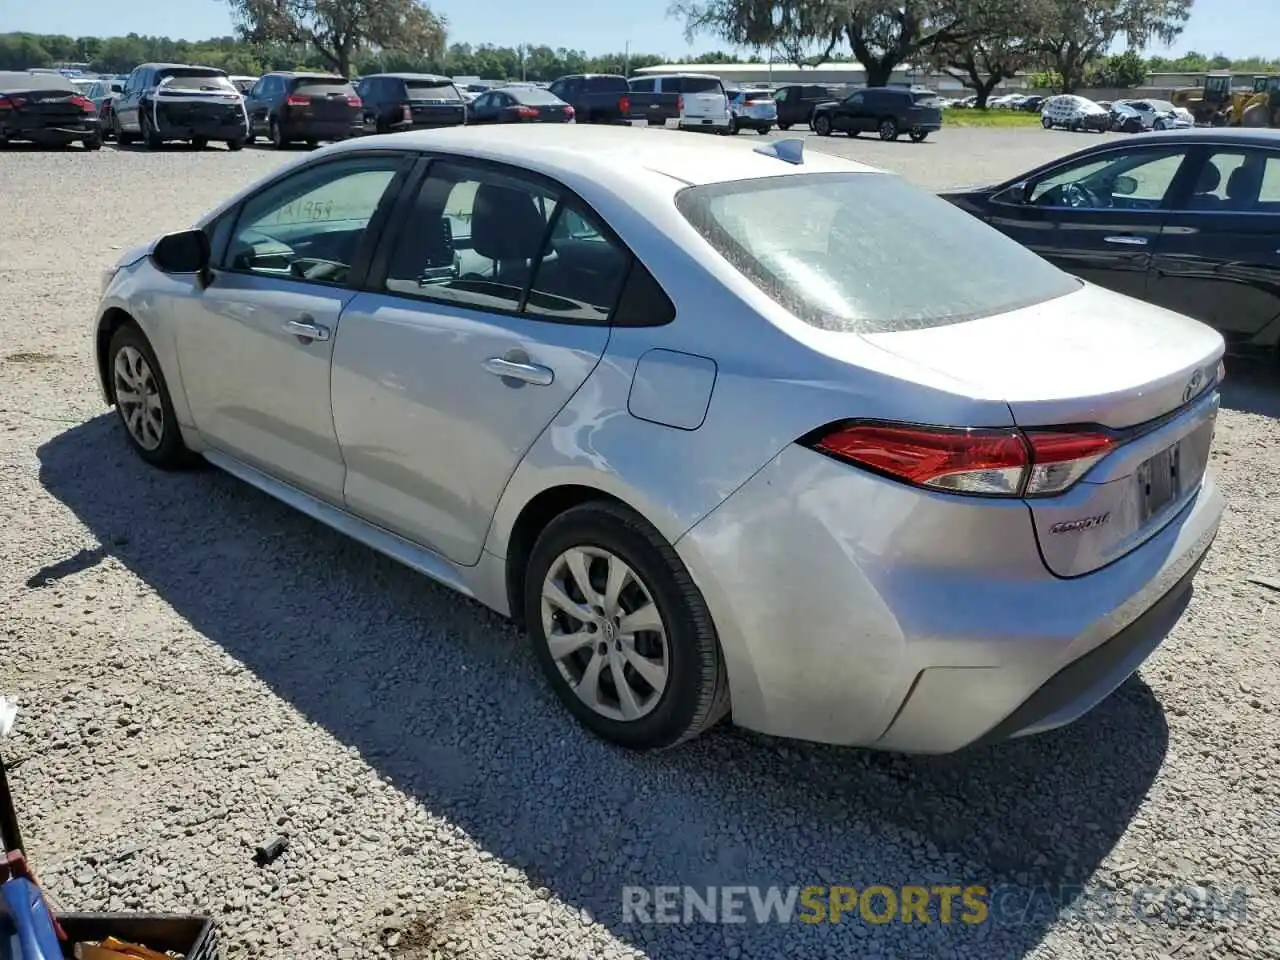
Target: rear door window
[
  {"x": 607, "y": 85},
  {"x": 323, "y": 87},
  {"x": 700, "y": 85},
  {"x": 432, "y": 90}
]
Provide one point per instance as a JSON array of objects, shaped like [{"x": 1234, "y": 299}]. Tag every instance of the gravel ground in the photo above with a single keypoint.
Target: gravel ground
[{"x": 201, "y": 670}]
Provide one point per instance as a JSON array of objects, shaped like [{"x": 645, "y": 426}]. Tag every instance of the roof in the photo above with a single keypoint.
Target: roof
[
  {"x": 611, "y": 153},
  {"x": 722, "y": 69},
  {"x": 181, "y": 66},
  {"x": 308, "y": 74},
  {"x": 1258, "y": 136},
  {"x": 434, "y": 77}
]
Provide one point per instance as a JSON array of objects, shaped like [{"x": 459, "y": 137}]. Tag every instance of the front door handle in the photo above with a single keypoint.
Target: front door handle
[
  {"x": 1127, "y": 241},
  {"x": 533, "y": 373},
  {"x": 304, "y": 329}
]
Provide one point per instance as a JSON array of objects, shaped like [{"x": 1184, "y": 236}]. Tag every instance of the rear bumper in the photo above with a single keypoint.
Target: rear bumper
[
  {"x": 321, "y": 129},
  {"x": 41, "y": 131},
  {"x": 853, "y": 610},
  {"x": 704, "y": 123},
  {"x": 222, "y": 128}
]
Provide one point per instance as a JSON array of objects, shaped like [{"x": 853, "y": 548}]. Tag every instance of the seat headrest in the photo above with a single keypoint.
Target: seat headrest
[
  {"x": 1244, "y": 183},
  {"x": 1210, "y": 178},
  {"x": 506, "y": 223}
]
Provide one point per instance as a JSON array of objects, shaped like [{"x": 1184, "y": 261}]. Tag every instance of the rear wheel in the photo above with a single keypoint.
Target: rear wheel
[
  {"x": 149, "y": 135},
  {"x": 784, "y": 126},
  {"x": 1046, "y": 123},
  {"x": 122, "y": 138},
  {"x": 276, "y": 136},
  {"x": 763, "y": 130},
  {"x": 822, "y": 125},
  {"x": 620, "y": 630},
  {"x": 92, "y": 143},
  {"x": 918, "y": 136},
  {"x": 199, "y": 143},
  {"x": 733, "y": 126},
  {"x": 234, "y": 145},
  {"x": 888, "y": 129},
  {"x": 142, "y": 400}
]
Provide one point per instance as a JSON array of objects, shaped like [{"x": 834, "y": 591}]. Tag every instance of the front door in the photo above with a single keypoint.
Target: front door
[
  {"x": 255, "y": 345},
  {"x": 1097, "y": 217},
  {"x": 493, "y": 311},
  {"x": 1218, "y": 257}
]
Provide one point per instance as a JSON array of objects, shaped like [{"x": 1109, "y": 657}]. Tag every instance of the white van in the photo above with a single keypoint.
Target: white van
[{"x": 704, "y": 105}]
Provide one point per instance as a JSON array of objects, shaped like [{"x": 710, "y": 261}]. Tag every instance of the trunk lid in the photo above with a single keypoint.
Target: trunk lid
[
  {"x": 327, "y": 100},
  {"x": 435, "y": 103},
  {"x": 54, "y": 106},
  {"x": 1147, "y": 376}
]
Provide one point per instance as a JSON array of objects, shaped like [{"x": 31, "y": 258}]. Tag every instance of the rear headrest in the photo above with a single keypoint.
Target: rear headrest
[
  {"x": 506, "y": 224},
  {"x": 1244, "y": 183},
  {"x": 1210, "y": 178}
]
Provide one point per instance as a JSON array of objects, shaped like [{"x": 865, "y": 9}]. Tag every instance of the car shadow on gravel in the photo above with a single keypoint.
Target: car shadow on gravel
[
  {"x": 442, "y": 698},
  {"x": 1252, "y": 386}
]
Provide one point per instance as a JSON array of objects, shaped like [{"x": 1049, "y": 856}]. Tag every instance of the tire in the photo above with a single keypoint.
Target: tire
[
  {"x": 276, "y": 136},
  {"x": 92, "y": 143},
  {"x": 733, "y": 126},
  {"x": 784, "y": 126},
  {"x": 234, "y": 145},
  {"x": 822, "y": 125},
  {"x": 695, "y": 689},
  {"x": 1046, "y": 123},
  {"x": 919, "y": 136},
  {"x": 199, "y": 143},
  {"x": 888, "y": 129},
  {"x": 312, "y": 144},
  {"x": 763, "y": 130},
  {"x": 122, "y": 138},
  {"x": 150, "y": 137},
  {"x": 129, "y": 345}
]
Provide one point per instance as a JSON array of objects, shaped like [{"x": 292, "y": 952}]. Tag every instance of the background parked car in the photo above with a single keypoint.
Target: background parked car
[
  {"x": 655, "y": 100},
  {"x": 706, "y": 109},
  {"x": 46, "y": 109},
  {"x": 242, "y": 82},
  {"x": 890, "y": 111},
  {"x": 391, "y": 102},
  {"x": 286, "y": 107},
  {"x": 1074, "y": 113},
  {"x": 752, "y": 110},
  {"x": 102, "y": 92},
  {"x": 1032, "y": 104},
  {"x": 1186, "y": 220},
  {"x": 595, "y": 97},
  {"x": 519, "y": 103},
  {"x": 1125, "y": 119},
  {"x": 174, "y": 101}
]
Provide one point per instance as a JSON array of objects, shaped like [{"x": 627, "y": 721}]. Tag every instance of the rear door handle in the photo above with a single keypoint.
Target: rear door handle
[
  {"x": 1127, "y": 241},
  {"x": 305, "y": 329},
  {"x": 533, "y": 373}
]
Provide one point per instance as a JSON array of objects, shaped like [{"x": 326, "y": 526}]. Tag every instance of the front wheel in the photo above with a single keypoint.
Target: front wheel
[
  {"x": 620, "y": 630},
  {"x": 822, "y": 125},
  {"x": 918, "y": 136},
  {"x": 142, "y": 400},
  {"x": 234, "y": 145},
  {"x": 888, "y": 129},
  {"x": 733, "y": 126},
  {"x": 92, "y": 143},
  {"x": 199, "y": 143},
  {"x": 763, "y": 130},
  {"x": 784, "y": 126},
  {"x": 1046, "y": 123}
]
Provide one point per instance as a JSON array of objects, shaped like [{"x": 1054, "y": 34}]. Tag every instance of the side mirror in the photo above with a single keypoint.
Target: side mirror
[
  {"x": 1018, "y": 193},
  {"x": 184, "y": 252}
]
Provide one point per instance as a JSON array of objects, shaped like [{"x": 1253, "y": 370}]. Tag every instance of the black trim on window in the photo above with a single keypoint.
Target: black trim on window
[{"x": 361, "y": 262}]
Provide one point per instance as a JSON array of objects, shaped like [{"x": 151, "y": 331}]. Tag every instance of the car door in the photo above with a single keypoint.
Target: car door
[
  {"x": 644, "y": 105},
  {"x": 1089, "y": 221},
  {"x": 481, "y": 109},
  {"x": 255, "y": 344},
  {"x": 255, "y": 105},
  {"x": 846, "y": 116},
  {"x": 126, "y": 108},
  {"x": 477, "y": 327},
  {"x": 1218, "y": 255}
]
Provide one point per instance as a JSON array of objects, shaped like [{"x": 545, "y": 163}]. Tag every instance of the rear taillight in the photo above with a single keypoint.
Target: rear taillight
[
  {"x": 295, "y": 100},
  {"x": 354, "y": 101},
  {"x": 406, "y": 112},
  {"x": 680, "y": 104},
  {"x": 624, "y": 105},
  {"x": 527, "y": 112},
  {"x": 568, "y": 111},
  {"x": 11, "y": 103},
  {"x": 994, "y": 463},
  {"x": 84, "y": 103}
]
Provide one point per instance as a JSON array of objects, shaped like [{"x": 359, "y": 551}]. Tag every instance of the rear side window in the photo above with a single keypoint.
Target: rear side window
[
  {"x": 700, "y": 85},
  {"x": 867, "y": 252},
  {"x": 432, "y": 90},
  {"x": 607, "y": 85},
  {"x": 323, "y": 87}
]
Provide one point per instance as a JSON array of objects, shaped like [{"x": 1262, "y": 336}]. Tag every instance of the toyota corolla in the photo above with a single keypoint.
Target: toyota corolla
[{"x": 731, "y": 430}]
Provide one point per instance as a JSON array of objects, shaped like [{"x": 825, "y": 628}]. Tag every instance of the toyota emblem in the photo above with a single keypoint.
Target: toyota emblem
[{"x": 1193, "y": 385}]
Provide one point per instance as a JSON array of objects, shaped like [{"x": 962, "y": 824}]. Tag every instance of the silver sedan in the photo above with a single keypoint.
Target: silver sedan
[{"x": 732, "y": 430}]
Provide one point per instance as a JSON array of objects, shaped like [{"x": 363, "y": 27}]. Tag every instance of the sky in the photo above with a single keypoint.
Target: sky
[{"x": 1216, "y": 26}]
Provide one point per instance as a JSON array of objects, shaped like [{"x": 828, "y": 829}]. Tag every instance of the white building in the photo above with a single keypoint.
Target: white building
[{"x": 846, "y": 74}]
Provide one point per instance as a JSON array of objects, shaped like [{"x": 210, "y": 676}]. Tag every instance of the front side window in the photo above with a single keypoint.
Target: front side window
[
  {"x": 867, "y": 252},
  {"x": 310, "y": 225},
  {"x": 1133, "y": 180},
  {"x": 854, "y": 100}
]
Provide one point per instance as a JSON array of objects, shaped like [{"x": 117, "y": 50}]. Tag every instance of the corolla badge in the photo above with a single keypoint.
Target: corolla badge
[
  {"x": 1193, "y": 385},
  {"x": 1084, "y": 523}
]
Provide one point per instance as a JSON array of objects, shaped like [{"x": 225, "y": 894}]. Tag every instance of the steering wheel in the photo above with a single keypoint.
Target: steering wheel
[
  {"x": 316, "y": 268},
  {"x": 1078, "y": 195}
]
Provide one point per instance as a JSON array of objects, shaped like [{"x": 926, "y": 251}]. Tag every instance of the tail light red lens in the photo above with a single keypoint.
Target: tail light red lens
[
  {"x": 624, "y": 105},
  {"x": 569, "y": 112},
  {"x": 1002, "y": 462},
  {"x": 527, "y": 112},
  {"x": 84, "y": 103},
  {"x": 354, "y": 101},
  {"x": 680, "y": 104},
  {"x": 407, "y": 113},
  {"x": 11, "y": 103},
  {"x": 295, "y": 100}
]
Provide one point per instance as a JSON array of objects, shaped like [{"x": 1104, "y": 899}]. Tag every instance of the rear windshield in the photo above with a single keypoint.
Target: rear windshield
[
  {"x": 323, "y": 87},
  {"x": 194, "y": 80},
  {"x": 752, "y": 96},
  {"x": 532, "y": 95},
  {"x": 926, "y": 97},
  {"x": 700, "y": 85},
  {"x": 606, "y": 85},
  {"x": 867, "y": 252},
  {"x": 17, "y": 80},
  {"x": 432, "y": 90}
]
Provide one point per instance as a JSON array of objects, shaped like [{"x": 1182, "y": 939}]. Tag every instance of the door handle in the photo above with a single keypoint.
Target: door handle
[
  {"x": 533, "y": 373},
  {"x": 304, "y": 329},
  {"x": 1127, "y": 241}
]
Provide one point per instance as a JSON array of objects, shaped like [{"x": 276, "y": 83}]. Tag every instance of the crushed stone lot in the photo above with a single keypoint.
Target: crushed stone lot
[{"x": 200, "y": 670}]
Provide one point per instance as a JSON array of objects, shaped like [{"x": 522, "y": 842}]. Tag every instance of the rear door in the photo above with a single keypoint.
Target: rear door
[
  {"x": 471, "y": 337},
  {"x": 1098, "y": 216},
  {"x": 705, "y": 101},
  {"x": 644, "y": 103},
  {"x": 1218, "y": 255}
]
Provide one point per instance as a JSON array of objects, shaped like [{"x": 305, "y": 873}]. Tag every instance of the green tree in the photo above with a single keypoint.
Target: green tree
[
  {"x": 1003, "y": 38},
  {"x": 1081, "y": 31},
  {"x": 1126, "y": 69}
]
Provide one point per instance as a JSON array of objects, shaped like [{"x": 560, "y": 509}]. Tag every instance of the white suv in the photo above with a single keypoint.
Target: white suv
[{"x": 703, "y": 104}]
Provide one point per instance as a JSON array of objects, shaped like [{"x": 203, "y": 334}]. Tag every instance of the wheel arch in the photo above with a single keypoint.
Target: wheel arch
[{"x": 112, "y": 319}]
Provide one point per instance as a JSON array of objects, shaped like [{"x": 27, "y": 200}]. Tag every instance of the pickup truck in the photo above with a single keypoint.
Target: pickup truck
[
  {"x": 596, "y": 97},
  {"x": 655, "y": 100}
]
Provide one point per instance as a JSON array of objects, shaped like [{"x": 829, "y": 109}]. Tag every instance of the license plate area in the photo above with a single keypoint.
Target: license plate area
[
  {"x": 1160, "y": 481},
  {"x": 708, "y": 120}
]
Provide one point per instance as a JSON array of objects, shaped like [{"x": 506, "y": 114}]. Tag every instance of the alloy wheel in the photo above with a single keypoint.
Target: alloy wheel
[
  {"x": 138, "y": 398},
  {"x": 605, "y": 633}
]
